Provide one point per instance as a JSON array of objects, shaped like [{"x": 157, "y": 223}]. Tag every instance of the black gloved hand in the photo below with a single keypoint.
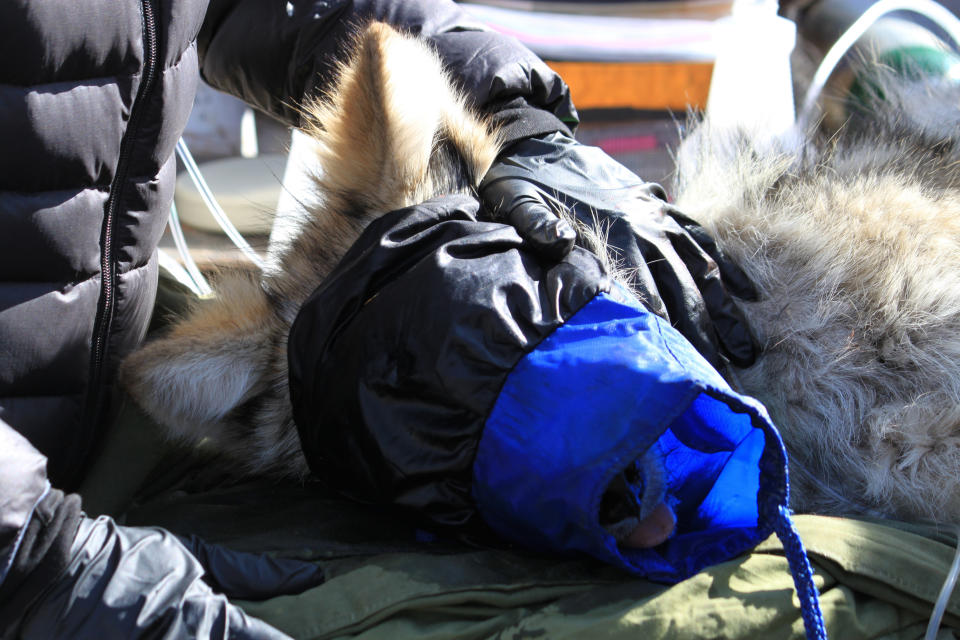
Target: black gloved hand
[
  {"x": 669, "y": 260},
  {"x": 251, "y": 576},
  {"x": 64, "y": 575}
]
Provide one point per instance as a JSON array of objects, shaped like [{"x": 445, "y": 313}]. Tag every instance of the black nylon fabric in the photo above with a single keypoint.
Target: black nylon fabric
[
  {"x": 397, "y": 358},
  {"x": 132, "y": 582},
  {"x": 63, "y": 575},
  {"x": 293, "y": 52}
]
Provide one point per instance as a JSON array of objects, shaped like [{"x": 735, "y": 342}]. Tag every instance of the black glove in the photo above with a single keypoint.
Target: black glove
[
  {"x": 252, "y": 576},
  {"x": 64, "y": 575},
  {"x": 669, "y": 260}
]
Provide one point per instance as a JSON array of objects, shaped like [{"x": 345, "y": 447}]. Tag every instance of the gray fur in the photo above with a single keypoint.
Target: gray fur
[{"x": 854, "y": 244}]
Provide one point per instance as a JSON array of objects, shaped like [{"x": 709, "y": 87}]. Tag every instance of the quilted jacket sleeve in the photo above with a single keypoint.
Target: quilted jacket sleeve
[{"x": 274, "y": 55}]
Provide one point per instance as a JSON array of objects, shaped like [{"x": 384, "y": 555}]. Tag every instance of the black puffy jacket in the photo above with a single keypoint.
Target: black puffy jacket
[{"x": 94, "y": 96}]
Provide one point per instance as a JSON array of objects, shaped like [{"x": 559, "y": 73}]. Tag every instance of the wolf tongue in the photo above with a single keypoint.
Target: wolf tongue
[{"x": 652, "y": 530}]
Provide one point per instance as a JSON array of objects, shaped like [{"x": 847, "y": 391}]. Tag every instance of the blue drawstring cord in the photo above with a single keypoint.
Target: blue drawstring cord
[
  {"x": 802, "y": 574},
  {"x": 775, "y": 516}
]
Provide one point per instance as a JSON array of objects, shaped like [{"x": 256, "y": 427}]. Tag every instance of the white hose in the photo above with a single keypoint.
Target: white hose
[
  {"x": 187, "y": 158},
  {"x": 941, "y": 16},
  {"x": 201, "y": 286},
  {"x": 933, "y": 627}
]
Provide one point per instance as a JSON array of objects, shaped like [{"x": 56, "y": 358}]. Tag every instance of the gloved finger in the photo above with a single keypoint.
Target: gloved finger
[
  {"x": 546, "y": 233},
  {"x": 684, "y": 303},
  {"x": 524, "y": 207},
  {"x": 732, "y": 333},
  {"x": 252, "y": 576},
  {"x": 736, "y": 281},
  {"x": 736, "y": 340},
  {"x": 626, "y": 250}
]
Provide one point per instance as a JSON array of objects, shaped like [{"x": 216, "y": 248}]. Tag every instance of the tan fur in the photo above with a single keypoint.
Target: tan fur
[{"x": 220, "y": 373}]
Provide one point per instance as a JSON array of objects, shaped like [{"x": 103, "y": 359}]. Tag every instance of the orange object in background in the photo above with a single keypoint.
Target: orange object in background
[{"x": 637, "y": 85}]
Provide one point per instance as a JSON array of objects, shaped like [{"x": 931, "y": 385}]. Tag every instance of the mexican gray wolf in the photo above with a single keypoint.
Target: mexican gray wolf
[{"x": 853, "y": 243}]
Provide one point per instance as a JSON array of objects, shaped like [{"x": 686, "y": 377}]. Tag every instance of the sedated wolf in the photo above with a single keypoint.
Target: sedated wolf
[{"x": 853, "y": 243}]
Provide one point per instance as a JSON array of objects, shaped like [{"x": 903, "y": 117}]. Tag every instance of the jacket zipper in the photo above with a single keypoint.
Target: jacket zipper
[{"x": 95, "y": 393}]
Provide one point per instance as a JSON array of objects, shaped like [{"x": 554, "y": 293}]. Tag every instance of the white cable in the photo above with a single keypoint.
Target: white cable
[
  {"x": 941, "y": 16},
  {"x": 173, "y": 268},
  {"x": 201, "y": 286},
  {"x": 184, "y": 153},
  {"x": 933, "y": 627}
]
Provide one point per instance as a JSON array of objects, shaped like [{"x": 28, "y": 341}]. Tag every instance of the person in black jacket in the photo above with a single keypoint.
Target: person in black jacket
[{"x": 95, "y": 95}]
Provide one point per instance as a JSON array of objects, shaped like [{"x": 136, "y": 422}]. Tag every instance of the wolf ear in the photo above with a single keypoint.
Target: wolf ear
[
  {"x": 210, "y": 363},
  {"x": 393, "y": 105}
]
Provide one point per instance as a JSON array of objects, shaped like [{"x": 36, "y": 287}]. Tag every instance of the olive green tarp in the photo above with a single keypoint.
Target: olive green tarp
[{"x": 386, "y": 579}]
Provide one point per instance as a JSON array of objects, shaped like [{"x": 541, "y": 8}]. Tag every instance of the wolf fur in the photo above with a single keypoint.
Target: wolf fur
[
  {"x": 853, "y": 243},
  {"x": 394, "y": 133}
]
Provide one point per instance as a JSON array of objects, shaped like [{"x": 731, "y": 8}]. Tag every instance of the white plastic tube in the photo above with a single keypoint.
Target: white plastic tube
[
  {"x": 933, "y": 627},
  {"x": 228, "y": 228},
  {"x": 200, "y": 285},
  {"x": 941, "y": 16}
]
